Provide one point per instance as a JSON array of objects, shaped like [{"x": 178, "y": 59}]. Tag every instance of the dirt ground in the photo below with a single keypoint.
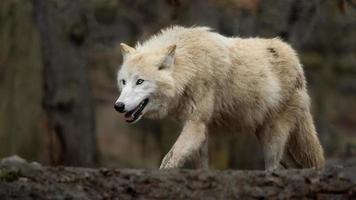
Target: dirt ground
[{"x": 22, "y": 180}]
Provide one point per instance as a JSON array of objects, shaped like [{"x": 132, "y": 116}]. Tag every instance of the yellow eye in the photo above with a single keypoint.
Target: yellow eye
[{"x": 139, "y": 81}]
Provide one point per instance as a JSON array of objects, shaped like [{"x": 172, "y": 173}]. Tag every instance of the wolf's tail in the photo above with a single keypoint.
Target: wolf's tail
[{"x": 303, "y": 147}]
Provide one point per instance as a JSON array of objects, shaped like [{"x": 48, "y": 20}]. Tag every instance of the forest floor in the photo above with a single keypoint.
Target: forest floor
[{"x": 22, "y": 180}]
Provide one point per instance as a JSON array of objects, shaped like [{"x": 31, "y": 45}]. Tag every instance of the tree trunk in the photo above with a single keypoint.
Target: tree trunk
[
  {"x": 21, "y": 115},
  {"x": 67, "y": 95}
]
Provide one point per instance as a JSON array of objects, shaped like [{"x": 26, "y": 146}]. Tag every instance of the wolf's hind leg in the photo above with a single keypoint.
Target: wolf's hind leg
[
  {"x": 273, "y": 136},
  {"x": 190, "y": 146},
  {"x": 201, "y": 159}
]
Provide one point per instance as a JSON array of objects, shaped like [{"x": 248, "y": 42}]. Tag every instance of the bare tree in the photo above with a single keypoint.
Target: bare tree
[{"x": 67, "y": 95}]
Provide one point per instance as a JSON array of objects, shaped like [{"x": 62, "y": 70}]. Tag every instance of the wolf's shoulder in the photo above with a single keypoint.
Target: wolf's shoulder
[
  {"x": 178, "y": 35},
  {"x": 184, "y": 29}
]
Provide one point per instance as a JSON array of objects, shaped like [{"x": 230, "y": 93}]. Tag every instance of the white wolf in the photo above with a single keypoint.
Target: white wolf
[{"x": 210, "y": 82}]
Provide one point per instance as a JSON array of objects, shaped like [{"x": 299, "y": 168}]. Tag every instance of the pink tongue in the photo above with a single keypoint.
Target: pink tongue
[{"x": 131, "y": 116}]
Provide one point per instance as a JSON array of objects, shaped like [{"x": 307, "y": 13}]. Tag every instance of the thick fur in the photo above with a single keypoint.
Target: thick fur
[{"x": 252, "y": 85}]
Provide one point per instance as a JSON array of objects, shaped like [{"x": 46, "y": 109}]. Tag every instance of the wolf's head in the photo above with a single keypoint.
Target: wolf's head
[{"x": 146, "y": 83}]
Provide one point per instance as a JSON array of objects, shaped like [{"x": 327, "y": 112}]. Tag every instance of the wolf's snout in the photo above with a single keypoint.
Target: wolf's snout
[{"x": 119, "y": 107}]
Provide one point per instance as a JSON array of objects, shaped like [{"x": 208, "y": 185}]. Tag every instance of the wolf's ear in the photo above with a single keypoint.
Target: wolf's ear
[
  {"x": 168, "y": 59},
  {"x": 126, "y": 50}
]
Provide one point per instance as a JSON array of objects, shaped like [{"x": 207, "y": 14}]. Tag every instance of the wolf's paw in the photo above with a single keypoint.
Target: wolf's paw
[
  {"x": 169, "y": 162},
  {"x": 165, "y": 164}
]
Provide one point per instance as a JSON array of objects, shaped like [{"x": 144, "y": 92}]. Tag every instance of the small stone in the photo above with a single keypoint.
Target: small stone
[{"x": 19, "y": 165}]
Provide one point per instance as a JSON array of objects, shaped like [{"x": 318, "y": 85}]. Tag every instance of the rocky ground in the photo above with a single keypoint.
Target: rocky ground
[{"x": 23, "y": 180}]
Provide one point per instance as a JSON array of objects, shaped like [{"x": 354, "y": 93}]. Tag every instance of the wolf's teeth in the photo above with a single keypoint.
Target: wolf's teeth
[{"x": 135, "y": 114}]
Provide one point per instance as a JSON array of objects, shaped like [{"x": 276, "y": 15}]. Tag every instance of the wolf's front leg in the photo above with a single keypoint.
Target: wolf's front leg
[{"x": 190, "y": 145}]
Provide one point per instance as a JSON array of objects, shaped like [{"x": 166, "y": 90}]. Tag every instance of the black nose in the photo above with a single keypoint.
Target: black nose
[{"x": 119, "y": 107}]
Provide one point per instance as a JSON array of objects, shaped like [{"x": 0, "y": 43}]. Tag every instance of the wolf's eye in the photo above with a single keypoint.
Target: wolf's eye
[
  {"x": 139, "y": 81},
  {"x": 123, "y": 81}
]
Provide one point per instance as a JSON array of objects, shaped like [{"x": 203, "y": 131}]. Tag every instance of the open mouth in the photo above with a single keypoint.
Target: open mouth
[{"x": 134, "y": 114}]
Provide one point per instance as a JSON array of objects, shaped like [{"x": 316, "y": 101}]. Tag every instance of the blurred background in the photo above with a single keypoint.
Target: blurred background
[{"x": 59, "y": 59}]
